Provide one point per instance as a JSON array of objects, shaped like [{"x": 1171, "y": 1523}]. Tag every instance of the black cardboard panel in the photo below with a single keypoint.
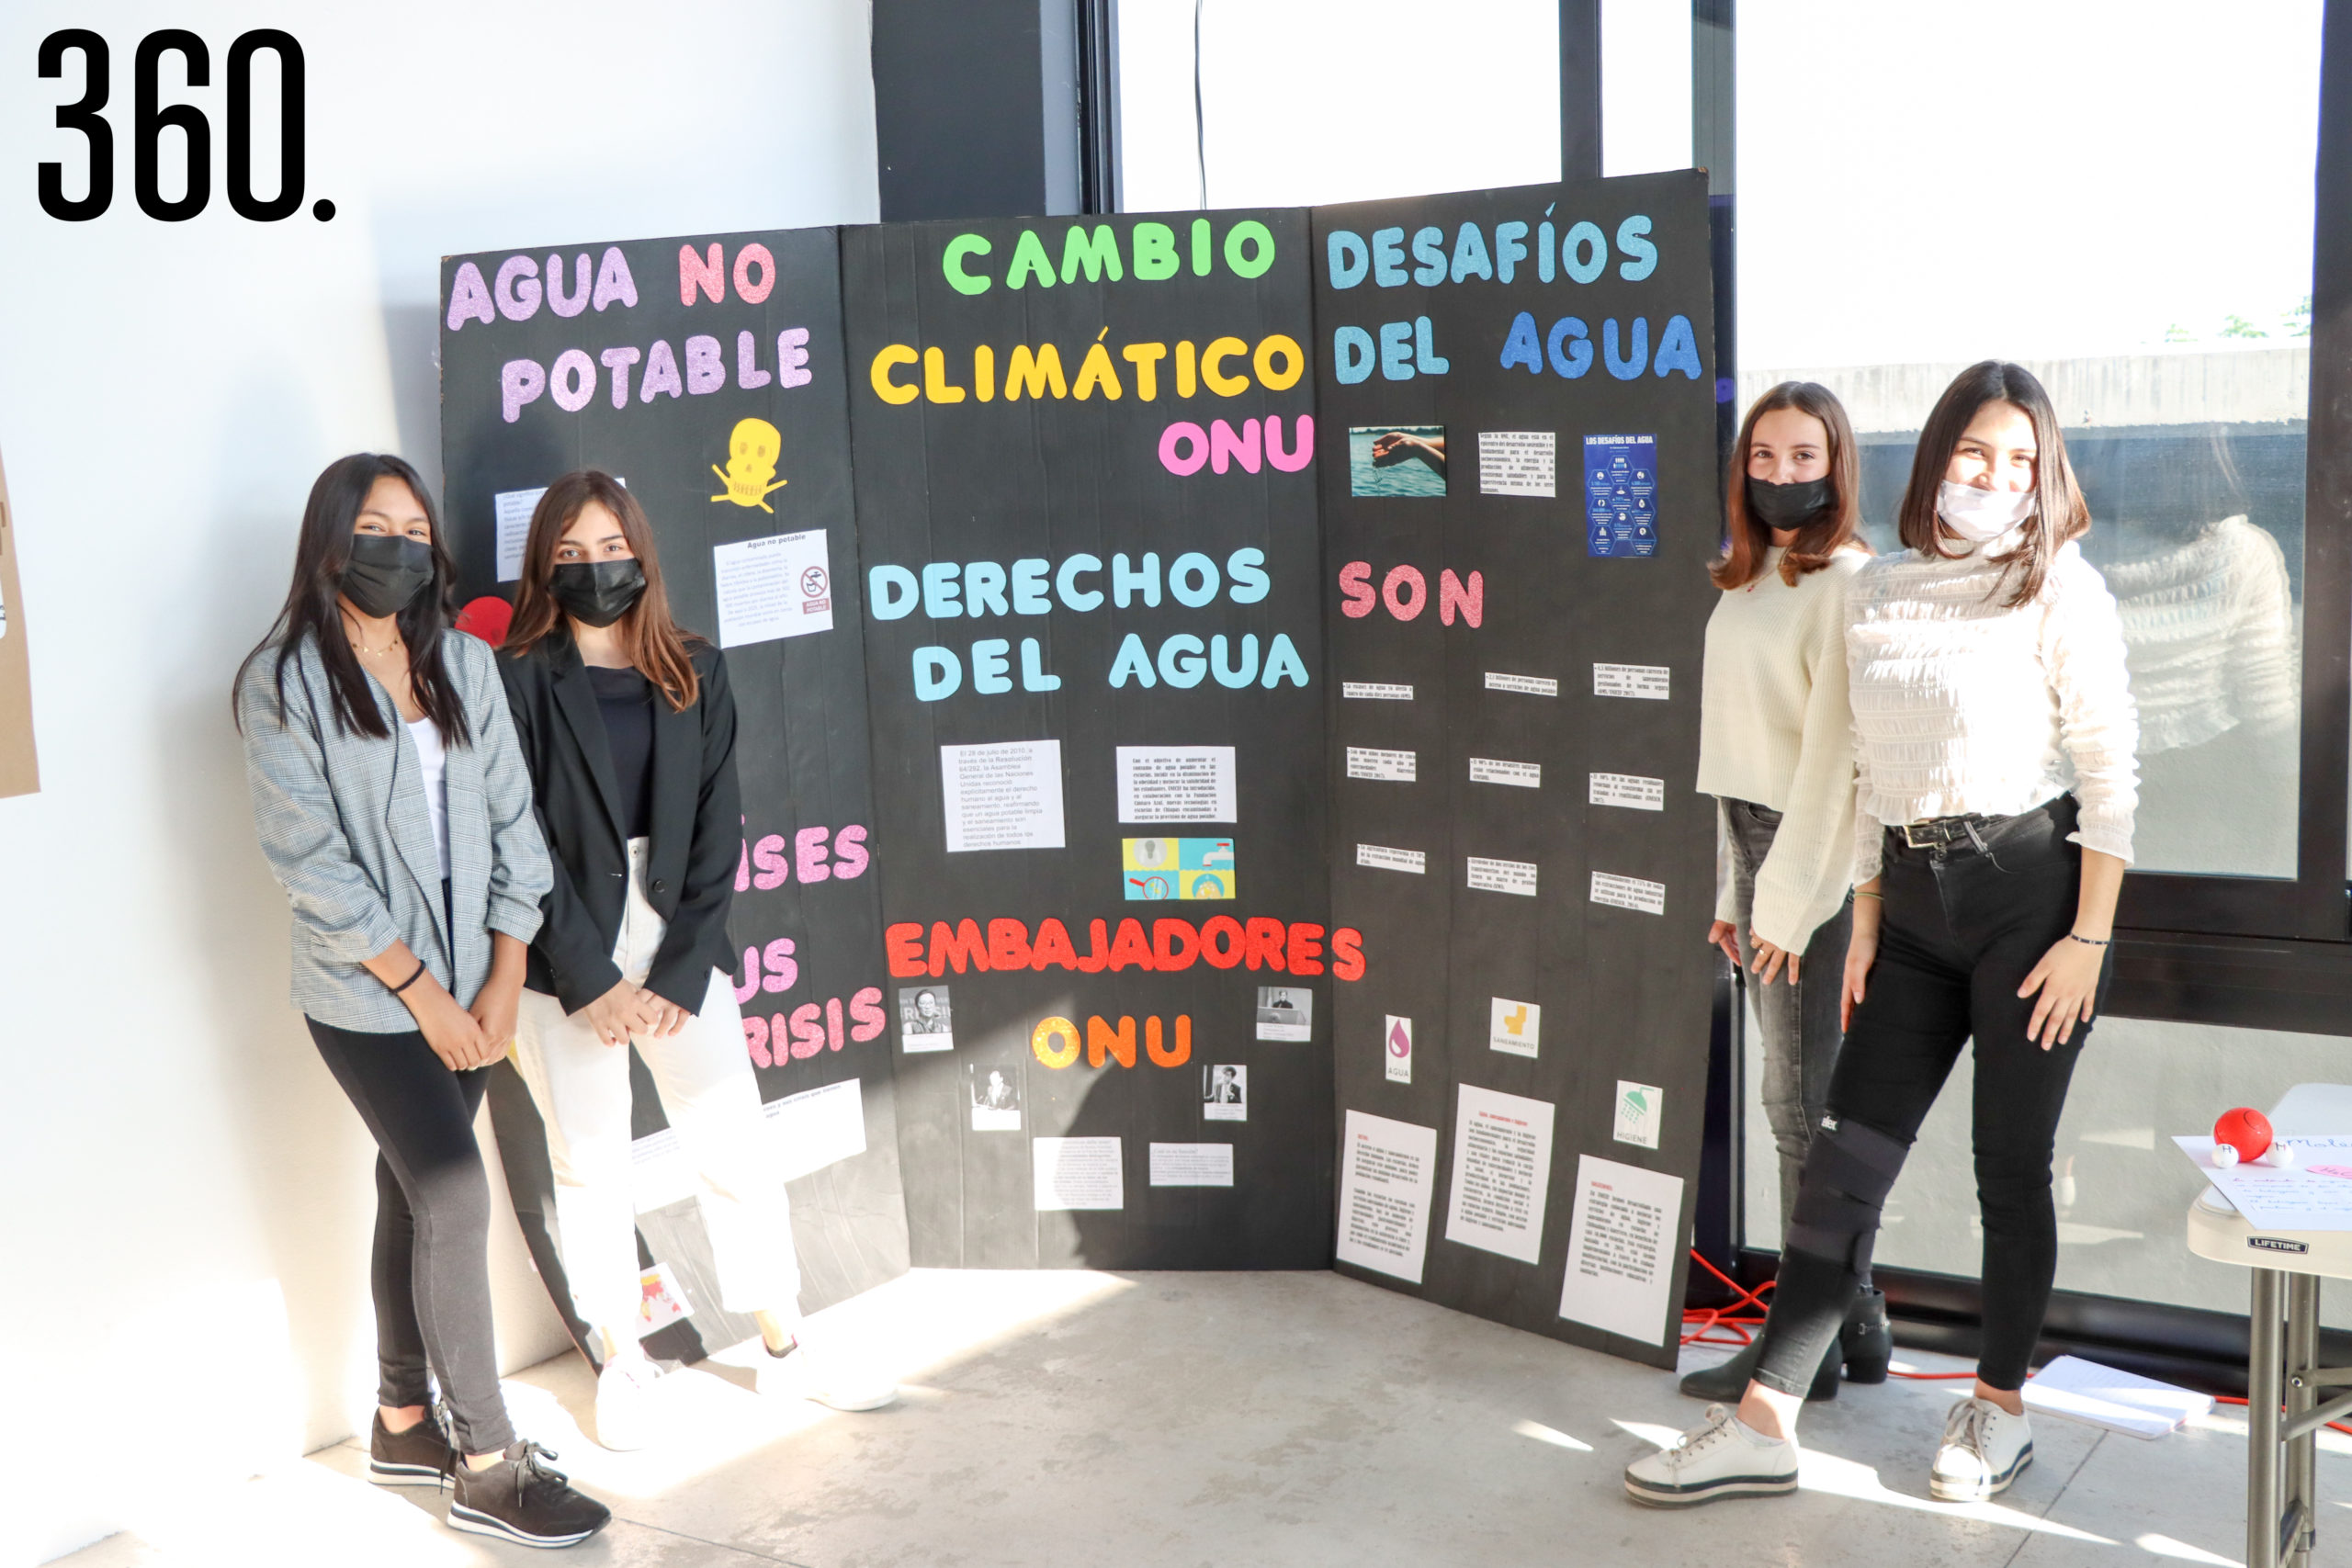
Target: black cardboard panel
[
  {"x": 1624, "y": 994},
  {"x": 948, "y": 476},
  {"x": 802, "y": 751}
]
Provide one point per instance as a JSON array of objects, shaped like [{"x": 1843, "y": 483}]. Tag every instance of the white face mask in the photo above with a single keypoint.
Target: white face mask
[{"x": 1982, "y": 516}]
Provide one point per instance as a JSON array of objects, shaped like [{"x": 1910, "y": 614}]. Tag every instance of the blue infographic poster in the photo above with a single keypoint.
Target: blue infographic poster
[{"x": 1620, "y": 495}]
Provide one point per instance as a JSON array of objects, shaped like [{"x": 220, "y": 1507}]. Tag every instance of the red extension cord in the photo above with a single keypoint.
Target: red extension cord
[{"x": 1735, "y": 1319}]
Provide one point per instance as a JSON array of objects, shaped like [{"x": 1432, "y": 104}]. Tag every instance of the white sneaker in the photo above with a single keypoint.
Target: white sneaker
[
  {"x": 1983, "y": 1448},
  {"x": 625, "y": 1413},
  {"x": 800, "y": 1373},
  {"x": 1722, "y": 1456}
]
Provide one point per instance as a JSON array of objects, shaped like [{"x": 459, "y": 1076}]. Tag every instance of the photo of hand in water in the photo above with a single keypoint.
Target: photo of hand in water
[{"x": 1389, "y": 460}]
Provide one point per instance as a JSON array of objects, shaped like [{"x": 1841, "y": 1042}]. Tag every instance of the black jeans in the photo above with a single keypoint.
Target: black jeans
[
  {"x": 1963, "y": 927},
  {"x": 429, "y": 1272}
]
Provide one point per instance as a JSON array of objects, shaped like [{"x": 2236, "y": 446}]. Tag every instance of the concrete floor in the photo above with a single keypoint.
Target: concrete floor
[{"x": 1229, "y": 1419}]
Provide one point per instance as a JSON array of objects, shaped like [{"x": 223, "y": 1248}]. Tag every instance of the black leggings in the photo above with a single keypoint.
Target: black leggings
[
  {"x": 430, "y": 1272},
  {"x": 1961, "y": 929}
]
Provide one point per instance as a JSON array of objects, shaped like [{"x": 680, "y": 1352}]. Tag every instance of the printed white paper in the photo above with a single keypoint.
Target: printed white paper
[
  {"x": 1396, "y": 1048},
  {"x": 2313, "y": 1194},
  {"x": 1078, "y": 1173},
  {"x": 1629, "y": 893},
  {"x": 1191, "y": 1165},
  {"x": 1527, "y": 685},
  {"x": 513, "y": 509},
  {"x": 1386, "y": 1172},
  {"x": 1375, "y": 691},
  {"x": 776, "y": 587},
  {"x": 1493, "y": 770},
  {"x": 1502, "y": 1165},
  {"x": 1382, "y": 858},
  {"x": 1650, "y": 681},
  {"x": 1514, "y": 1027},
  {"x": 1517, "y": 462},
  {"x": 1640, "y": 1108},
  {"x": 1503, "y": 876},
  {"x": 1620, "y": 1249},
  {"x": 1389, "y": 767},
  {"x": 1176, "y": 784},
  {"x": 1285, "y": 1012},
  {"x": 1007, "y": 795},
  {"x": 1628, "y": 790},
  {"x": 661, "y": 1300},
  {"x": 1224, "y": 1092}
]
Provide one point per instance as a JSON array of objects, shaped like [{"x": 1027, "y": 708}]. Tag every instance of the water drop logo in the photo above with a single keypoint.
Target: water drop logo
[{"x": 1400, "y": 1049}]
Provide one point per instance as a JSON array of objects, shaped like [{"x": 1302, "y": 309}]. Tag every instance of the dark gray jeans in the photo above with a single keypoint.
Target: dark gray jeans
[{"x": 1799, "y": 1023}]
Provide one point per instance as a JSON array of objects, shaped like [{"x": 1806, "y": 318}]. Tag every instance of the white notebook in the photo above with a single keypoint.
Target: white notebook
[{"x": 2119, "y": 1401}]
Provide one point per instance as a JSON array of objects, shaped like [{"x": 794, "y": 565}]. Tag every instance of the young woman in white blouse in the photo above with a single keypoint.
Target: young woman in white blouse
[
  {"x": 1776, "y": 750},
  {"x": 1995, "y": 742}
]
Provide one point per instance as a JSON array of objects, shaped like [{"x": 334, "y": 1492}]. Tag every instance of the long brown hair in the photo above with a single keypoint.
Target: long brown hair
[
  {"x": 321, "y": 550},
  {"x": 652, "y": 641},
  {"x": 2060, "y": 513},
  {"x": 1748, "y": 538}
]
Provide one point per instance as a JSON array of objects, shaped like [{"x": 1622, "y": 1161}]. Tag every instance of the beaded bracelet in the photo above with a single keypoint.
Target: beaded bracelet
[{"x": 2088, "y": 942}]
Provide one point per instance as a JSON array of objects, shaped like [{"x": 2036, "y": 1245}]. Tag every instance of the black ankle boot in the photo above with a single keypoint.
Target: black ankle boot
[
  {"x": 1866, "y": 1341},
  {"x": 1725, "y": 1384}
]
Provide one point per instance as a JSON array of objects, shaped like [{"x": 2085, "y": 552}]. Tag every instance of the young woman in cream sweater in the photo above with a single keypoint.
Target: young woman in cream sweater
[
  {"x": 1995, "y": 741},
  {"x": 1776, "y": 750}
]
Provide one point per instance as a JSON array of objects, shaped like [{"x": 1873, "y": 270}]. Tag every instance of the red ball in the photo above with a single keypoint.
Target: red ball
[
  {"x": 487, "y": 618},
  {"x": 2244, "y": 1130}
]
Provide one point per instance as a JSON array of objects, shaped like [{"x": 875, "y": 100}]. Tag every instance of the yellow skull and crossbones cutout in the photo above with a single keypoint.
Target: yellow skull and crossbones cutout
[{"x": 751, "y": 452}]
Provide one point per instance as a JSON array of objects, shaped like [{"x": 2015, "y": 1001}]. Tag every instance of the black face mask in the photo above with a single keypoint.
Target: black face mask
[
  {"x": 1787, "y": 506},
  {"x": 384, "y": 571},
  {"x": 597, "y": 593}
]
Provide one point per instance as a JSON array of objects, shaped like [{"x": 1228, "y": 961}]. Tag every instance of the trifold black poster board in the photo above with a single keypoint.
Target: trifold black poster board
[
  {"x": 1517, "y": 472},
  {"x": 1219, "y": 703},
  {"x": 708, "y": 375},
  {"x": 1094, "y": 655}
]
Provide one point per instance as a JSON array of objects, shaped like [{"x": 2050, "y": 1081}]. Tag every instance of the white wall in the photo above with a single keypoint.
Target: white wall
[{"x": 188, "y": 1195}]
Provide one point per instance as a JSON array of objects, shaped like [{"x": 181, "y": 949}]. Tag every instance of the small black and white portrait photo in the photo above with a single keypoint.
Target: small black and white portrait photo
[
  {"x": 925, "y": 1023},
  {"x": 1285, "y": 1012},
  {"x": 996, "y": 1098},
  {"x": 1224, "y": 1092}
]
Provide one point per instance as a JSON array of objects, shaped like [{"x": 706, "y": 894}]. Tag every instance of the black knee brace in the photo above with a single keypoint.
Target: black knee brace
[{"x": 1848, "y": 1174}]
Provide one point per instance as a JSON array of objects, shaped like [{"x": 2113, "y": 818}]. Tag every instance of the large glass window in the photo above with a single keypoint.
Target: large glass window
[
  {"x": 2121, "y": 201},
  {"x": 2123, "y": 1189}
]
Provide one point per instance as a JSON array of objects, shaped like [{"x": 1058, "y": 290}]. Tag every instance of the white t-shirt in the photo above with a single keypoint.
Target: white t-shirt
[{"x": 435, "y": 757}]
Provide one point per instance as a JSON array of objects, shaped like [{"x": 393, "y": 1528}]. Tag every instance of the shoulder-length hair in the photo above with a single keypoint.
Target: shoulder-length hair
[
  {"x": 321, "y": 550},
  {"x": 2060, "y": 513},
  {"x": 653, "y": 642},
  {"x": 1747, "y": 538}
]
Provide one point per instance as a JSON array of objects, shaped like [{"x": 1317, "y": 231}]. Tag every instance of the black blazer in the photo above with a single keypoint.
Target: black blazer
[{"x": 697, "y": 827}]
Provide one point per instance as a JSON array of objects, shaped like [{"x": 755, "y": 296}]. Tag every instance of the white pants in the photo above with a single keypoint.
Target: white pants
[{"x": 580, "y": 1085}]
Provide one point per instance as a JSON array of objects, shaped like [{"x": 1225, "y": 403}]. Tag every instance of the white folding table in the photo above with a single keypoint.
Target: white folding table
[{"x": 2283, "y": 1359}]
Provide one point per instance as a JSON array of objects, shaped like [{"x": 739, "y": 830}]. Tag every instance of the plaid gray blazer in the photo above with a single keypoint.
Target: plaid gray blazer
[{"x": 344, "y": 823}]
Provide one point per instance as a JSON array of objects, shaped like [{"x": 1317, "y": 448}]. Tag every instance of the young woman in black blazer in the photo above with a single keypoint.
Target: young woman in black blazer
[{"x": 629, "y": 727}]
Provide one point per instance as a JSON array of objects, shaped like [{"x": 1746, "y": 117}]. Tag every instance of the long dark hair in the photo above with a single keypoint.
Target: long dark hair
[
  {"x": 311, "y": 614},
  {"x": 2060, "y": 513},
  {"x": 1747, "y": 537},
  {"x": 654, "y": 642}
]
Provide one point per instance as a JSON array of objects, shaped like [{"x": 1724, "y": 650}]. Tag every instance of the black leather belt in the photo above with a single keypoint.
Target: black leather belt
[{"x": 1937, "y": 833}]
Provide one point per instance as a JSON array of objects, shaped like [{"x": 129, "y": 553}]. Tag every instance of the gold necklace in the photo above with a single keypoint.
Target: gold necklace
[{"x": 366, "y": 651}]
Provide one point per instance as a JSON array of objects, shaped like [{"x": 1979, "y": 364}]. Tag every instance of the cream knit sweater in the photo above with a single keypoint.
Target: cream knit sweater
[
  {"x": 1774, "y": 729},
  {"x": 1962, "y": 705}
]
